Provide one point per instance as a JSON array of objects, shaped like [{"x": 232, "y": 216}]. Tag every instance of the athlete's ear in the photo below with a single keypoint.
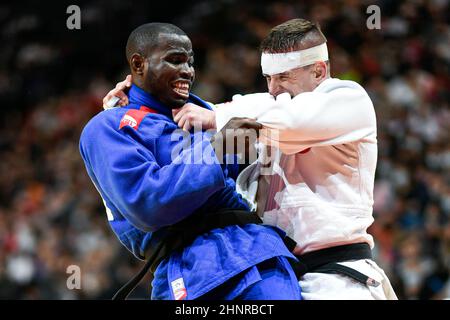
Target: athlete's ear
[
  {"x": 137, "y": 63},
  {"x": 320, "y": 70}
]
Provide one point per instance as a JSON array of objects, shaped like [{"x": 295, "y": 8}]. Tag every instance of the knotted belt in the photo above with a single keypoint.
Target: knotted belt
[
  {"x": 178, "y": 236},
  {"x": 327, "y": 261}
]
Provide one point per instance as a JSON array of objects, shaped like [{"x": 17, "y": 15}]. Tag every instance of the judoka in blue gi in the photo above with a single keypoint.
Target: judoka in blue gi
[{"x": 128, "y": 153}]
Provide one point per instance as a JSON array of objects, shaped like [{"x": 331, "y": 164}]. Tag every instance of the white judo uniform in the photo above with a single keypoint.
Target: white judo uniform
[{"x": 322, "y": 177}]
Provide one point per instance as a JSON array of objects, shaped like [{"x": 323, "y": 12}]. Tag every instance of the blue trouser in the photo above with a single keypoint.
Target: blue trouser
[{"x": 272, "y": 279}]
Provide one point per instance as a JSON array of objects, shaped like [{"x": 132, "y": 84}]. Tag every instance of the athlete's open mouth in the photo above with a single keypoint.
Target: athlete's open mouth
[{"x": 182, "y": 88}]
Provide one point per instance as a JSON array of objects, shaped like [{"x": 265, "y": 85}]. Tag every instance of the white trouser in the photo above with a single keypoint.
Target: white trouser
[{"x": 324, "y": 286}]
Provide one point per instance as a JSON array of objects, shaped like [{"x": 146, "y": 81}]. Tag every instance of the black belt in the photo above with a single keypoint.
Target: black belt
[
  {"x": 180, "y": 235},
  {"x": 326, "y": 261}
]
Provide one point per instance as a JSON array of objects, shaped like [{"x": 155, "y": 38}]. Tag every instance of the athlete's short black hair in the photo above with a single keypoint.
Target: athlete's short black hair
[{"x": 145, "y": 36}]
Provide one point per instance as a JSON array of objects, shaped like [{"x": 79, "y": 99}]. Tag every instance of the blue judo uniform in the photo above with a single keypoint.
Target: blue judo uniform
[{"x": 148, "y": 178}]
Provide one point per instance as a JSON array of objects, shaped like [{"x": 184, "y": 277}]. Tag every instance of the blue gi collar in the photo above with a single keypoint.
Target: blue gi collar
[{"x": 138, "y": 96}]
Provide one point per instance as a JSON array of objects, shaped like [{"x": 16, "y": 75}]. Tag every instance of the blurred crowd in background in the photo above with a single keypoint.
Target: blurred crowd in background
[{"x": 52, "y": 81}]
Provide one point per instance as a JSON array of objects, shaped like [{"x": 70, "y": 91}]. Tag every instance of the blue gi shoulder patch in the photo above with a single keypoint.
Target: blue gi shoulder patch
[{"x": 133, "y": 117}]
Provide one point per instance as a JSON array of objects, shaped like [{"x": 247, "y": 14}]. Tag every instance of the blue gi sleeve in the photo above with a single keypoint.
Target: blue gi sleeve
[{"x": 148, "y": 195}]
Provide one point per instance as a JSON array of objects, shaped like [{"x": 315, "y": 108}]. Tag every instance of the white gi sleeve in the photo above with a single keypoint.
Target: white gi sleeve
[
  {"x": 243, "y": 106},
  {"x": 336, "y": 112}
]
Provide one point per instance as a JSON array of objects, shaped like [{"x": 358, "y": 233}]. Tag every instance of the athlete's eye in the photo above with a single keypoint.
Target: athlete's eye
[{"x": 175, "y": 59}]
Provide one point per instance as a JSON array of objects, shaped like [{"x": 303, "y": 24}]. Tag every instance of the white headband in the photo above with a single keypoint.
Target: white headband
[{"x": 274, "y": 63}]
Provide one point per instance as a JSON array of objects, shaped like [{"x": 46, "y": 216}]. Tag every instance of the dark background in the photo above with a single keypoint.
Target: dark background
[{"x": 52, "y": 81}]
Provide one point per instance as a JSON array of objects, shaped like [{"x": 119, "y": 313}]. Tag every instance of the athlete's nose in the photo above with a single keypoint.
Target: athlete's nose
[
  {"x": 273, "y": 87},
  {"x": 187, "y": 71}
]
